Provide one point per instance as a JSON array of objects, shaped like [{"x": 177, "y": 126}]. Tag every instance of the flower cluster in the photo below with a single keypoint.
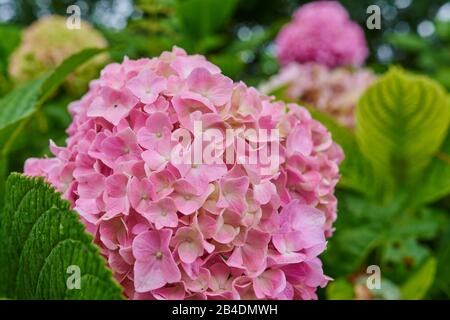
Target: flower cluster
[
  {"x": 333, "y": 91},
  {"x": 172, "y": 230},
  {"x": 47, "y": 42},
  {"x": 322, "y": 32}
]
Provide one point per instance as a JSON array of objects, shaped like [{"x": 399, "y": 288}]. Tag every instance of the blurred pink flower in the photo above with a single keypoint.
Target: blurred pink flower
[
  {"x": 322, "y": 32},
  {"x": 333, "y": 91}
]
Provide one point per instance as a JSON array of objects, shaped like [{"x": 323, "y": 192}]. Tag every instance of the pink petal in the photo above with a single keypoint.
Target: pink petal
[
  {"x": 188, "y": 251},
  {"x": 187, "y": 198},
  {"x": 148, "y": 275},
  {"x": 299, "y": 140},
  {"x": 163, "y": 213},
  {"x": 147, "y": 86},
  {"x": 91, "y": 186},
  {"x": 176, "y": 292},
  {"x": 116, "y": 185},
  {"x": 269, "y": 284},
  {"x": 263, "y": 192},
  {"x": 232, "y": 194}
]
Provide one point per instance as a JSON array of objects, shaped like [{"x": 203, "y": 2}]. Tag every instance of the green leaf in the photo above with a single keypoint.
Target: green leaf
[
  {"x": 370, "y": 233},
  {"x": 353, "y": 243},
  {"x": 356, "y": 171},
  {"x": 443, "y": 256},
  {"x": 55, "y": 78},
  {"x": 417, "y": 286},
  {"x": 3, "y": 174},
  {"x": 421, "y": 224},
  {"x": 53, "y": 227},
  {"x": 10, "y": 35},
  {"x": 401, "y": 122},
  {"x": 404, "y": 254},
  {"x": 436, "y": 180},
  {"x": 53, "y": 277},
  {"x": 229, "y": 63},
  {"x": 98, "y": 289},
  {"x": 359, "y": 230},
  {"x": 21, "y": 103},
  {"x": 23, "y": 217},
  {"x": 40, "y": 238},
  {"x": 409, "y": 42},
  {"x": 443, "y": 29},
  {"x": 16, "y": 106},
  {"x": 340, "y": 289},
  {"x": 200, "y": 18}
]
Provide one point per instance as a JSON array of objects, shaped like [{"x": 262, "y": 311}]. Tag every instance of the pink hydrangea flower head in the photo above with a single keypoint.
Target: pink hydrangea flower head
[
  {"x": 173, "y": 227},
  {"x": 322, "y": 32}
]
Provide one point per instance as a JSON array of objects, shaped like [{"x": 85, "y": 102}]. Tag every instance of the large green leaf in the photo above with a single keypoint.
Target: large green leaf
[
  {"x": 417, "y": 286},
  {"x": 14, "y": 107},
  {"x": 436, "y": 180},
  {"x": 17, "y": 107},
  {"x": 53, "y": 277},
  {"x": 41, "y": 238},
  {"x": 45, "y": 230},
  {"x": 3, "y": 175},
  {"x": 401, "y": 122},
  {"x": 21, "y": 103}
]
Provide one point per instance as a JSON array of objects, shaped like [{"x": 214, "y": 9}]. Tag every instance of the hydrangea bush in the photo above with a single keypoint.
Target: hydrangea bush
[
  {"x": 171, "y": 230},
  {"x": 322, "y": 32},
  {"x": 333, "y": 91},
  {"x": 47, "y": 42}
]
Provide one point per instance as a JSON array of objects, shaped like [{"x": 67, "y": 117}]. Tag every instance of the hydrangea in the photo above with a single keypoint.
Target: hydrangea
[
  {"x": 322, "y": 32},
  {"x": 173, "y": 230},
  {"x": 333, "y": 91},
  {"x": 47, "y": 42}
]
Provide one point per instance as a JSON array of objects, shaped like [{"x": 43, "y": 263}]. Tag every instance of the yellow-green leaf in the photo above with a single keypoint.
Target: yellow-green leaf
[
  {"x": 417, "y": 286},
  {"x": 401, "y": 122}
]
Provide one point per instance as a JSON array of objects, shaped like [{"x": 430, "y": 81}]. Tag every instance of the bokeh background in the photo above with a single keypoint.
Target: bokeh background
[{"x": 414, "y": 33}]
